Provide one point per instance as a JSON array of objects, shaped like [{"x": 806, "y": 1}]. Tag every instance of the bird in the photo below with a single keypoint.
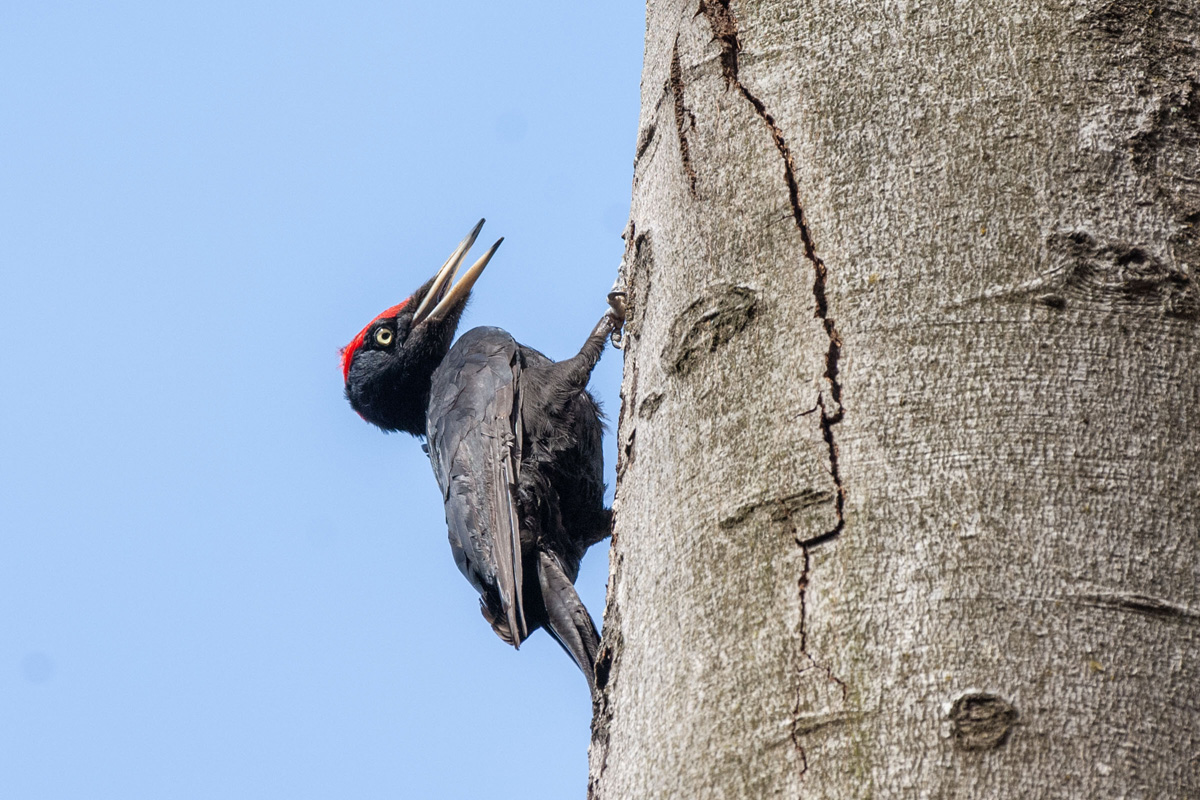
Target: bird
[{"x": 514, "y": 441}]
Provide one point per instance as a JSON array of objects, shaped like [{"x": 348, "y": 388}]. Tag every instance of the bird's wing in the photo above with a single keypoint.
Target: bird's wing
[{"x": 474, "y": 429}]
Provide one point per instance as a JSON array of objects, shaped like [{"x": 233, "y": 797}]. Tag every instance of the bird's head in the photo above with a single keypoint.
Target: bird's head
[{"x": 388, "y": 365}]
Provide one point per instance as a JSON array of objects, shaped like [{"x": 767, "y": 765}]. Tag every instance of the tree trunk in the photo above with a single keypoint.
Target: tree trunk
[{"x": 909, "y": 444}]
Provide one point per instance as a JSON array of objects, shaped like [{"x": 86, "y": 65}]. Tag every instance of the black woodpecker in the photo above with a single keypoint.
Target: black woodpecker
[{"x": 514, "y": 440}]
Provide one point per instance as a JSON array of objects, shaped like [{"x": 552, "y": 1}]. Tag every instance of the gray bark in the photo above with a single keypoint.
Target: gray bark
[{"x": 909, "y": 443}]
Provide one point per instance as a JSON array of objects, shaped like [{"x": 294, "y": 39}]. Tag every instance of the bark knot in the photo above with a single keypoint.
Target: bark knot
[
  {"x": 1106, "y": 271},
  {"x": 711, "y": 320},
  {"x": 778, "y": 510},
  {"x": 981, "y": 721}
]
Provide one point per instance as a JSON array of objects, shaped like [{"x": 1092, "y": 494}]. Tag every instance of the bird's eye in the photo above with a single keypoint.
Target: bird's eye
[{"x": 383, "y": 336}]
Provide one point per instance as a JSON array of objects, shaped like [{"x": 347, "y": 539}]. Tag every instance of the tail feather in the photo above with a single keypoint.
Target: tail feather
[{"x": 568, "y": 620}]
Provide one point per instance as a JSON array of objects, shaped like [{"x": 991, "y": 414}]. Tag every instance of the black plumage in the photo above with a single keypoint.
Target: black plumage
[{"x": 514, "y": 441}]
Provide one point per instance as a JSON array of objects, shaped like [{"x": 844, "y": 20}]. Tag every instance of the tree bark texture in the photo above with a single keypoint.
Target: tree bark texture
[{"x": 909, "y": 444}]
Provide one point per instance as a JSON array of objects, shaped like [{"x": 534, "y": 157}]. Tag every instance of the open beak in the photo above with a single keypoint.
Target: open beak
[{"x": 442, "y": 296}]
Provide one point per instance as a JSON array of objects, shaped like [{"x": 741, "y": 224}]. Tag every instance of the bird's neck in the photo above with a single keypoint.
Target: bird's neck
[{"x": 410, "y": 411}]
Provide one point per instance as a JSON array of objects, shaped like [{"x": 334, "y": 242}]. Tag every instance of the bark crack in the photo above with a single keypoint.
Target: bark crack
[
  {"x": 682, "y": 115},
  {"x": 725, "y": 33}
]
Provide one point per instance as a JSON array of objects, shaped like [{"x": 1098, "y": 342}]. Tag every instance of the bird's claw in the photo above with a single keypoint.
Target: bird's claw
[
  {"x": 618, "y": 306},
  {"x": 616, "y": 301}
]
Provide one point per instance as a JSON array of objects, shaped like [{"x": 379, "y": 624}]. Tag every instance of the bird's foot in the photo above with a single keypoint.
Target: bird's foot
[{"x": 617, "y": 302}]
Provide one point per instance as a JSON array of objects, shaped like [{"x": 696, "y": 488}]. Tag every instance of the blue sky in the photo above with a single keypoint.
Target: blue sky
[{"x": 215, "y": 580}]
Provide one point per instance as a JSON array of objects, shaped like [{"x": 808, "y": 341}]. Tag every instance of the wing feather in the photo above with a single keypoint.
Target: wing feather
[{"x": 474, "y": 430}]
